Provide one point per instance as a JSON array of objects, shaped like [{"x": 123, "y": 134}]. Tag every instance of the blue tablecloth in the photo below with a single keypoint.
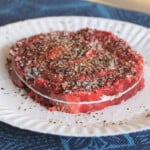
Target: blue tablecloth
[{"x": 12, "y": 138}]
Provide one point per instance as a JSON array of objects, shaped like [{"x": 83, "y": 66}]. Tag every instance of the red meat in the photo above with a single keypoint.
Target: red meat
[{"x": 77, "y": 67}]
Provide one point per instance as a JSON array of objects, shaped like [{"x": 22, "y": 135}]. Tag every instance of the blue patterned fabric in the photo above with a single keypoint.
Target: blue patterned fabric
[{"x": 12, "y": 138}]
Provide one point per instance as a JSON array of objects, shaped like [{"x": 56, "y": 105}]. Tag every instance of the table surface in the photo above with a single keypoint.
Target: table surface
[
  {"x": 12, "y": 138},
  {"x": 137, "y": 5}
]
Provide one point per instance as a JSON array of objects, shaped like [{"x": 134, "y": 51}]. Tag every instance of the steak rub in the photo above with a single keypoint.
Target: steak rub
[{"x": 82, "y": 71}]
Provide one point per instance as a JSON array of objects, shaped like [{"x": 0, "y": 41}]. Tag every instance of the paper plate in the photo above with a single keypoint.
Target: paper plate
[{"x": 20, "y": 111}]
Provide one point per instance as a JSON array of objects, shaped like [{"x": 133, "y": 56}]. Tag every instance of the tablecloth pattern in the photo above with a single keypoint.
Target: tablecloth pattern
[{"x": 12, "y": 138}]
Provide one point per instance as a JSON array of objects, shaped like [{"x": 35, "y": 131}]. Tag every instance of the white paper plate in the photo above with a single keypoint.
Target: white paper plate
[{"x": 18, "y": 110}]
